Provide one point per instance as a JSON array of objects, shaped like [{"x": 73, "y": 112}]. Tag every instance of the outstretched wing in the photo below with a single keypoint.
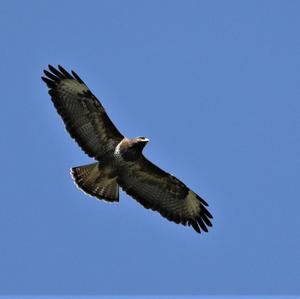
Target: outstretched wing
[
  {"x": 160, "y": 191},
  {"x": 84, "y": 116}
]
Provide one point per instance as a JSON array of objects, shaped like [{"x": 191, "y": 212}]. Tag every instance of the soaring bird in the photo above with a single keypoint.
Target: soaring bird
[{"x": 119, "y": 160}]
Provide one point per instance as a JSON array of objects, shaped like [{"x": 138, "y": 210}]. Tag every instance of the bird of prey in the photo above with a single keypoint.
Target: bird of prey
[{"x": 119, "y": 160}]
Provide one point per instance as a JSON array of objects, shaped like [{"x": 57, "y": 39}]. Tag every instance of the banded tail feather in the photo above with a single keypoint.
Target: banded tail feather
[{"x": 95, "y": 182}]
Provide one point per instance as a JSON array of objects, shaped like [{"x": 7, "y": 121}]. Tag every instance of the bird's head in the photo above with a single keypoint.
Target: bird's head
[
  {"x": 142, "y": 140},
  {"x": 139, "y": 143},
  {"x": 131, "y": 149}
]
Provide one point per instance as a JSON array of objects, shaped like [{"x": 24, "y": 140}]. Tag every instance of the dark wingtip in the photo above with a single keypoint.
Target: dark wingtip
[
  {"x": 206, "y": 220},
  {"x": 56, "y": 72},
  {"x": 195, "y": 226},
  {"x": 202, "y": 225},
  {"x": 207, "y": 213},
  {"x": 50, "y": 67},
  {"x": 202, "y": 200},
  {"x": 51, "y": 76},
  {"x": 49, "y": 82},
  {"x": 65, "y": 72},
  {"x": 77, "y": 77}
]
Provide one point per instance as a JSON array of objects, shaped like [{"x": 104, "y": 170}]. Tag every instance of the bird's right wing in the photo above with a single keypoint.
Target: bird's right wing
[
  {"x": 160, "y": 191},
  {"x": 84, "y": 116}
]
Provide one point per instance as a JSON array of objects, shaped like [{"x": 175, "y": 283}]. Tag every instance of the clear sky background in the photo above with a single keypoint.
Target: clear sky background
[{"x": 215, "y": 85}]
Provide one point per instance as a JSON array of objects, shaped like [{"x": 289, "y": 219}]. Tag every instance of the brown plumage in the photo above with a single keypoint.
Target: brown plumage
[{"x": 120, "y": 161}]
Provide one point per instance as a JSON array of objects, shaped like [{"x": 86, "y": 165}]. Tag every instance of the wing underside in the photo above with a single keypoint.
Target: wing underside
[
  {"x": 157, "y": 190},
  {"x": 83, "y": 115}
]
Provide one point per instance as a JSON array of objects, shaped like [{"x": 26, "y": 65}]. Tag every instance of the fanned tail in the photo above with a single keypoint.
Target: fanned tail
[{"x": 91, "y": 180}]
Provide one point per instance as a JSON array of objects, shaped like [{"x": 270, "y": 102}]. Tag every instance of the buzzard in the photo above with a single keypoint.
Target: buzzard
[{"x": 120, "y": 161}]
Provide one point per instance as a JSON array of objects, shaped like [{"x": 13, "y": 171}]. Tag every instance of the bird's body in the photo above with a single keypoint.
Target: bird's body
[{"x": 120, "y": 161}]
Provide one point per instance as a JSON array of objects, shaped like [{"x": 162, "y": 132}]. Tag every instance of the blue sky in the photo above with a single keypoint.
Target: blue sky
[{"x": 214, "y": 85}]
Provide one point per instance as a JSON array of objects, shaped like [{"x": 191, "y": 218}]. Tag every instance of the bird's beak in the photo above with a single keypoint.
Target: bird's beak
[{"x": 146, "y": 140}]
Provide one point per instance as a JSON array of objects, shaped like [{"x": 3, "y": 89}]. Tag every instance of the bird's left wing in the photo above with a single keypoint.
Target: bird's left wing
[
  {"x": 84, "y": 116},
  {"x": 160, "y": 191}
]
